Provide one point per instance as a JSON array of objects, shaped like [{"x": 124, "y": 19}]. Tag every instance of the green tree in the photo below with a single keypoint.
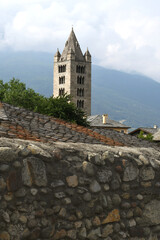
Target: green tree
[
  {"x": 15, "y": 93},
  {"x": 148, "y": 137}
]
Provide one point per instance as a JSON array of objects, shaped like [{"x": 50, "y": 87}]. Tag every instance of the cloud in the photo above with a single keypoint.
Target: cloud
[{"x": 120, "y": 34}]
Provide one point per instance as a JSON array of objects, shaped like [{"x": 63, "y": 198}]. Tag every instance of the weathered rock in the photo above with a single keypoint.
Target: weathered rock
[
  {"x": 35, "y": 150},
  {"x": 14, "y": 181},
  {"x": 2, "y": 184},
  {"x": 57, "y": 183},
  {"x": 117, "y": 227},
  {"x": 7, "y": 154},
  {"x": 32, "y": 223},
  {"x": 147, "y": 173},
  {"x": 94, "y": 234},
  {"x": 132, "y": 223},
  {"x": 104, "y": 175},
  {"x": 152, "y": 212},
  {"x": 35, "y": 234},
  {"x": 60, "y": 234},
  {"x": 88, "y": 223},
  {"x": 82, "y": 233},
  {"x": 107, "y": 230},
  {"x": 23, "y": 219},
  {"x": 87, "y": 197},
  {"x": 130, "y": 172},
  {"x": 4, "y": 236},
  {"x": 95, "y": 187},
  {"x": 143, "y": 159},
  {"x": 96, "y": 159},
  {"x": 103, "y": 200},
  {"x": 17, "y": 164},
  {"x": 72, "y": 181},
  {"x": 26, "y": 233},
  {"x": 62, "y": 212},
  {"x": 115, "y": 184},
  {"x": 48, "y": 232},
  {"x": 96, "y": 221},
  {"x": 79, "y": 214},
  {"x": 112, "y": 217},
  {"x": 6, "y": 217},
  {"x": 106, "y": 187},
  {"x": 21, "y": 192},
  {"x": 4, "y": 167},
  {"x": 108, "y": 156},
  {"x": 8, "y": 196},
  {"x": 88, "y": 168},
  {"x": 60, "y": 195},
  {"x": 139, "y": 197},
  {"x": 146, "y": 184},
  {"x": 34, "y": 172},
  {"x": 116, "y": 199},
  {"x": 34, "y": 191},
  {"x": 72, "y": 234}
]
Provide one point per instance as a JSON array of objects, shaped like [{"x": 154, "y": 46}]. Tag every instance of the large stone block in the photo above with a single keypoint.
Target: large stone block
[
  {"x": 7, "y": 154},
  {"x": 147, "y": 173},
  {"x": 130, "y": 172},
  {"x": 34, "y": 172},
  {"x": 151, "y": 213}
]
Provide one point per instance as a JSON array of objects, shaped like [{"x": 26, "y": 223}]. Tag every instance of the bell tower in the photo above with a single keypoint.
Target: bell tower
[{"x": 72, "y": 74}]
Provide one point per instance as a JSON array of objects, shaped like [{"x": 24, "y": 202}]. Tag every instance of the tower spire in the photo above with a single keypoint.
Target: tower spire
[{"x": 72, "y": 43}]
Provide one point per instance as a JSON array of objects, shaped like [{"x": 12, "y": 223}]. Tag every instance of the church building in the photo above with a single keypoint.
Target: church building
[{"x": 72, "y": 74}]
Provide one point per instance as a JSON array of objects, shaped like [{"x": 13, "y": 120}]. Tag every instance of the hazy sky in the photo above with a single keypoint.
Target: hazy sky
[{"x": 120, "y": 34}]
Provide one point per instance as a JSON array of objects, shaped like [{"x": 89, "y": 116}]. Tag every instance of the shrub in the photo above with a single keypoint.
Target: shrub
[{"x": 15, "y": 93}]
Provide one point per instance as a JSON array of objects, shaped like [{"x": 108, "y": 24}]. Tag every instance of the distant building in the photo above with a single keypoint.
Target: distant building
[
  {"x": 145, "y": 130},
  {"x": 156, "y": 136},
  {"x": 72, "y": 74},
  {"x": 103, "y": 122}
]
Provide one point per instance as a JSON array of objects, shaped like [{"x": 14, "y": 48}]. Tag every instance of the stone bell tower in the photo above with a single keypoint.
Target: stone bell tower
[{"x": 72, "y": 74}]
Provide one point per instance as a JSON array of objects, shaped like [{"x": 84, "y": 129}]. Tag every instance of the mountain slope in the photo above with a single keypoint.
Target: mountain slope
[
  {"x": 134, "y": 98},
  {"x": 123, "y": 96}
]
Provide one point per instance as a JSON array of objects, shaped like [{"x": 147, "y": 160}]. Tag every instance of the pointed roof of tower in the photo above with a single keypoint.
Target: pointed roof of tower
[
  {"x": 57, "y": 53},
  {"x": 72, "y": 44},
  {"x": 87, "y": 53}
]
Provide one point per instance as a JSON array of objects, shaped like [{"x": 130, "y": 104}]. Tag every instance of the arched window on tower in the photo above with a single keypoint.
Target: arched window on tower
[
  {"x": 80, "y": 92},
  {"x": 61, "y": 91},
  {"x": 80, "y": 69},
  {"x": 80, "y": 103},
  {"x": 62, "y": 80},
  {"x": 61, "y": 68},
  {"x": 80, "y": 80}
]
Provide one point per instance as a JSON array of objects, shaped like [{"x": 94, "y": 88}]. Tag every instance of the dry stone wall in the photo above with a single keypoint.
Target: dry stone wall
[
  {"x": 19, "y": 123},
  {"x": 78, "y": 191}
]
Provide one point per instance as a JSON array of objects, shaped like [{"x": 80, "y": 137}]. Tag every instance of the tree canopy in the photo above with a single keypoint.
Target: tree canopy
[
  {"x": 15, "y": 93},
  {"x": 148, "y": 137}
]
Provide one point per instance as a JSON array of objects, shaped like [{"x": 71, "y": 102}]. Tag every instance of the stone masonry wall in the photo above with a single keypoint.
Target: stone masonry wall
[
  {"x": 78, "y": 191},
  {"x": 20, "y": 123}
]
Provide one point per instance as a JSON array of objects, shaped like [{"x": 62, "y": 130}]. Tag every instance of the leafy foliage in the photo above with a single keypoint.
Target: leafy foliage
[
  {"x": 148, "y": 137},
  {"x": 14, "y": 92}
]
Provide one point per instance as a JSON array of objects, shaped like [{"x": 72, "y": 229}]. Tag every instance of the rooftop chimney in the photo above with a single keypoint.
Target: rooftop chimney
[{"x": 105, "y": 116}]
